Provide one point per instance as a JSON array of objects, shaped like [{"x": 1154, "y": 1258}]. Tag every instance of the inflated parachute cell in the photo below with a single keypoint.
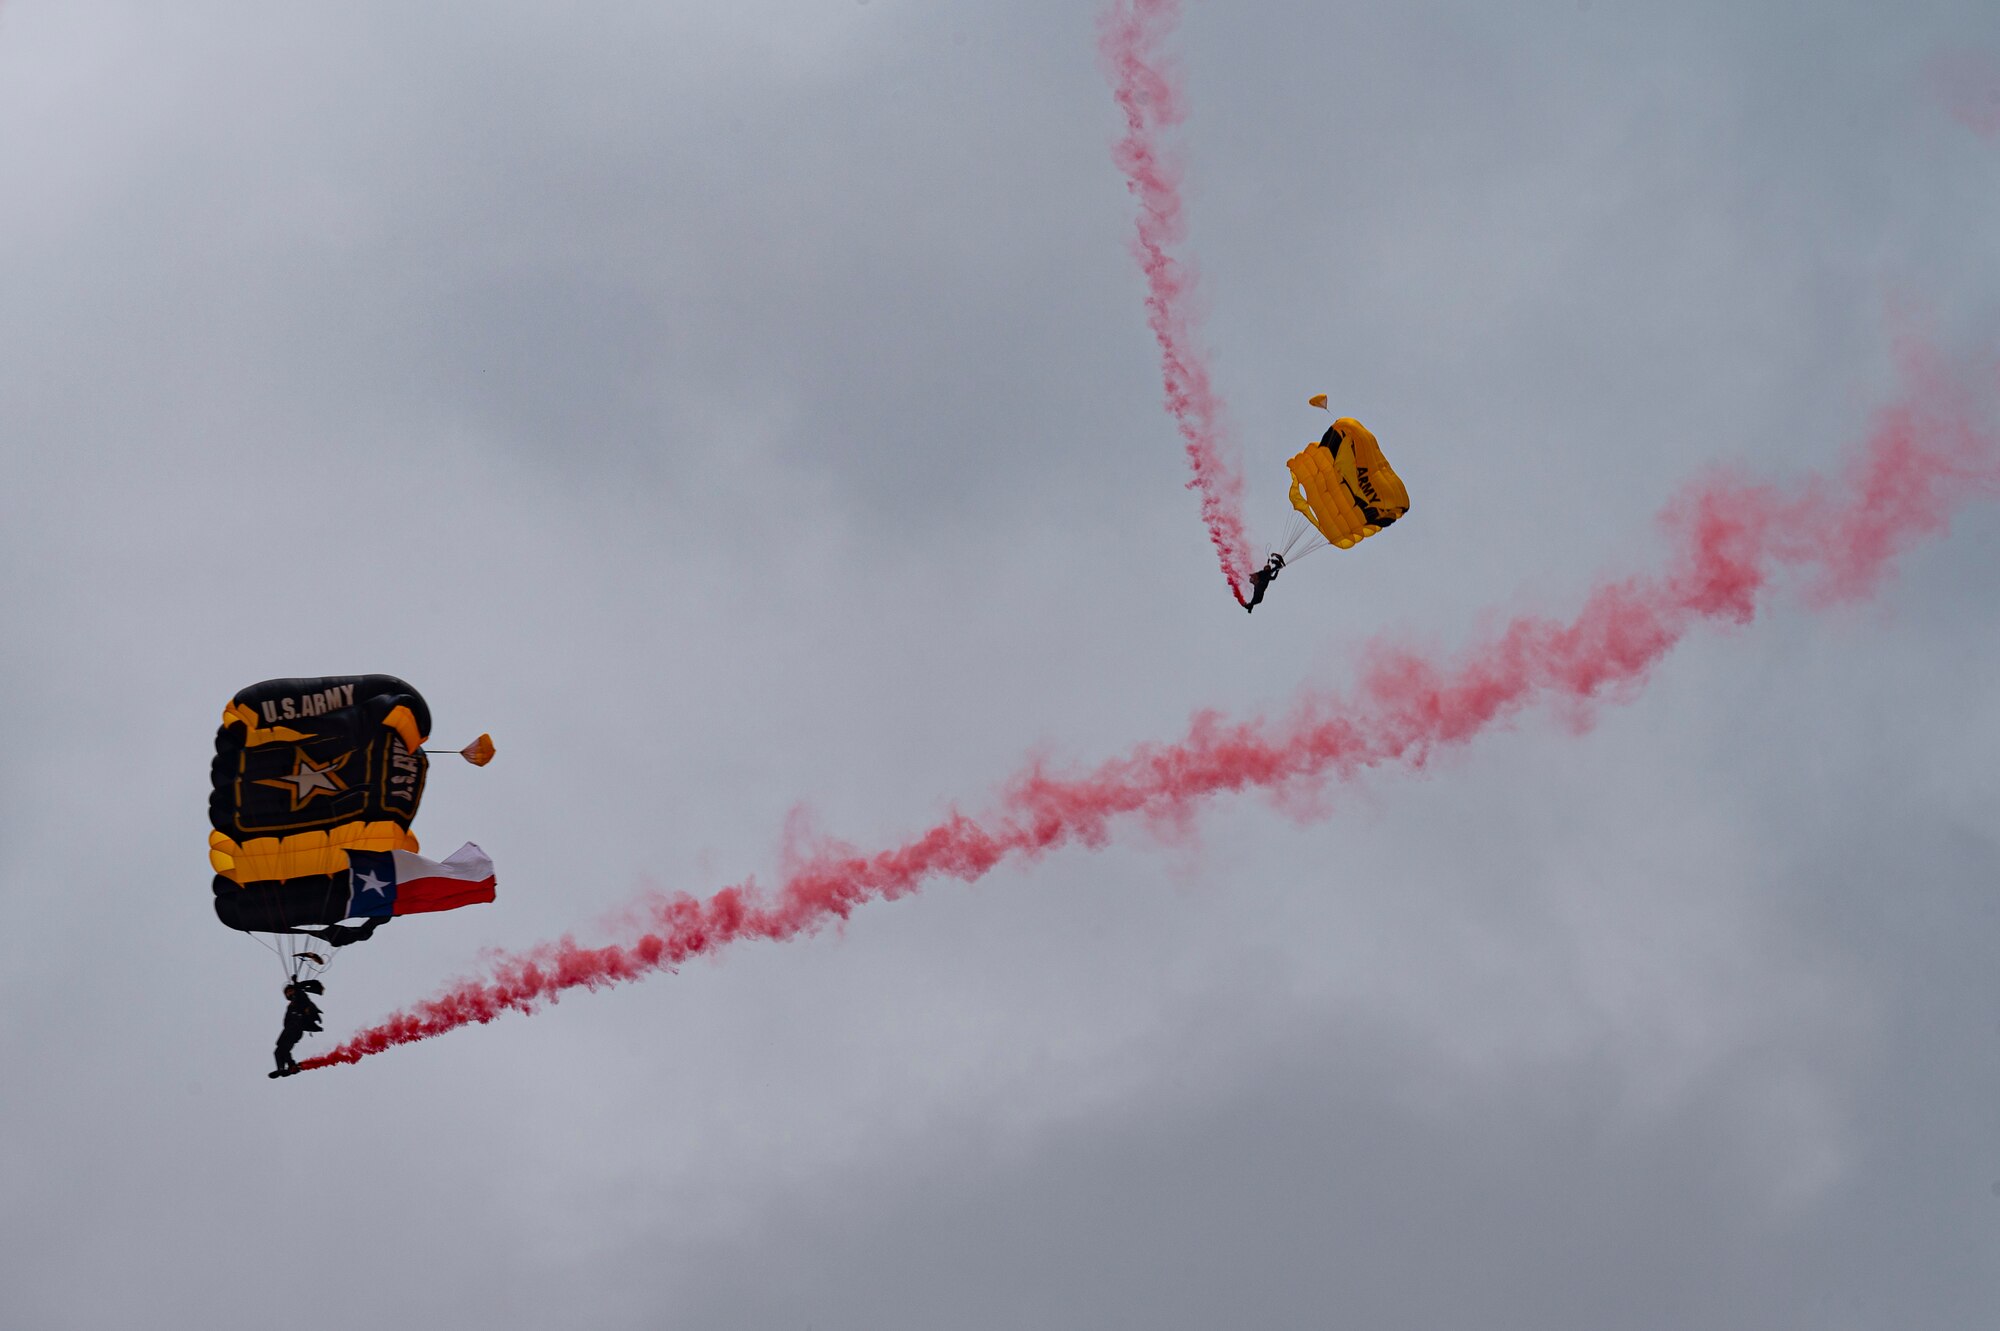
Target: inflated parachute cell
[
  {"x": 305, "y": 771},
  {"x": 1345, "y": 487}
]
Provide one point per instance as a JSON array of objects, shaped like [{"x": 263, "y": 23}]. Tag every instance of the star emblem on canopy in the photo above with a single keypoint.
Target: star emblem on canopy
[{"x": 309, "y": 778}]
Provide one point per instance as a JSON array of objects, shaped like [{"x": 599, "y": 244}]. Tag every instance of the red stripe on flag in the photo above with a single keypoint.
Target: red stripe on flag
[{"x": 427, "y": 894}]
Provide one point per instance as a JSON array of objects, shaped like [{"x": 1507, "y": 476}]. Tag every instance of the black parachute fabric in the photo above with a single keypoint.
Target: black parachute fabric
[{"x": 305, "y": 771}]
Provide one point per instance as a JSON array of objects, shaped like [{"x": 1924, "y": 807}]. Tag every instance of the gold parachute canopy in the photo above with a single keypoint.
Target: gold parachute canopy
[{"x": 1344, "y": 485}]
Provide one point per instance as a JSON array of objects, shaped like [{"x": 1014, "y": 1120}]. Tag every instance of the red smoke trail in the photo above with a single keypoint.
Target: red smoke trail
[
  {"x": 1969, "y": 83},
  {"x": 1129, "y": 38},
  {"x": 1730, "y": 539}
]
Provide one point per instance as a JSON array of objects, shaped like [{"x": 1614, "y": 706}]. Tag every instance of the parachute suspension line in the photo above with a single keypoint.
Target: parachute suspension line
[
  {"x": 1311, "y": 548},
  {"x": 1305, "y": 540},
  {"x": 323, "y": 950},
  {"x": 330, "y": 955},
  {"x": 1298, "y": 529},
  {"x": 269, "y": 946},
  {"x": 287, "y": 948}
]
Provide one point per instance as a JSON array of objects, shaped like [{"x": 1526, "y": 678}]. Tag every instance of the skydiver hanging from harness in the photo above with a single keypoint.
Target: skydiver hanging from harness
[
  {"x": 301, "y": 1015},
  {"x": 1344, "y": 487},
  {"x": 1262, "y": 579}
]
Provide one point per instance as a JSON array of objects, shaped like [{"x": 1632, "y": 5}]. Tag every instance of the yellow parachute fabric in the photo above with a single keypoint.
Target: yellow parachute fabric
[
  {"x": 302, "y": 854},
  {"x": 1345, "y": 487}
]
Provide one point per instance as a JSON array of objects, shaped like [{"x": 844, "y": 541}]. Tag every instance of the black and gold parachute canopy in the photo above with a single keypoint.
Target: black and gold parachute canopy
[{"x": 307, "y": 769}]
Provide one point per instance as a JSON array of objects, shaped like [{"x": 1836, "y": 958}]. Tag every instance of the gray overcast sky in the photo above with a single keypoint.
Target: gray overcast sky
[{"x": 738, "y": 406}]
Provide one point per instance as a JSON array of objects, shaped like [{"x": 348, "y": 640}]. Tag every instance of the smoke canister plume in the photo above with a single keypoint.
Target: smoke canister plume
[
  {"x": 1730, "y": 539},
  {"x": 1131, "y": 35}
]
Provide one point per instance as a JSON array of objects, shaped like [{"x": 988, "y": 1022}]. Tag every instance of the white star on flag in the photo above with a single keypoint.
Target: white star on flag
[{"x": 370, "y": 883}]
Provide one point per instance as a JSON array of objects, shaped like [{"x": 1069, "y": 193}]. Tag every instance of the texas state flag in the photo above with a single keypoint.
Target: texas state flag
[{"x": 396, "y": 882}]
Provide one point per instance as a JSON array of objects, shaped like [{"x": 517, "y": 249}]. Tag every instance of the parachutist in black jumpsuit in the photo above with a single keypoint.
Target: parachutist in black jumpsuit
[
  {"x": 301, "y": 1015},
  {"x": 1262, "y": 579}
]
